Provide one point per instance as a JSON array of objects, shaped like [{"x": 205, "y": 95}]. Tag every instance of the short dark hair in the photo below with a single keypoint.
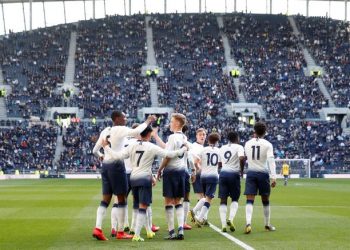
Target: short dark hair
[
  {"x": 147, "y": 130},
  {"x": 116, "y": 114},
  {"x": 213, "y": 138},
  {"x": 260, "y": 128},
  {"x": 184, "y": 128},
  {"x": 232, "y": 136}
]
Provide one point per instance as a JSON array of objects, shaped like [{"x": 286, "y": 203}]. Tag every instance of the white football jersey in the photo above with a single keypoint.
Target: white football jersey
[
  {"x": 196, "y": 149},
  {"x": 230, "y": 154},
  {"x": 103, "y": 135},
  {"x": 210, "y": 158},
  {"x": 258, "y": 151},
  {"x": 115, "y": 136},
  {"x": 128, "y": 141},
  {"x": 175, "y": 142},
  {"x": 141, "y": 155}
]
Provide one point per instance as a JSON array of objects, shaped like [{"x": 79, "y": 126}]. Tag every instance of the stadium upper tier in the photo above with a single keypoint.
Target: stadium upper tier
[
  {"x": 110, "y": 53},
  {"x": 273, "y": 61},
  {"x": 189, "y": 49},
  {"x": 33, "y": 64},
  {"x": 328, "y": 40}
]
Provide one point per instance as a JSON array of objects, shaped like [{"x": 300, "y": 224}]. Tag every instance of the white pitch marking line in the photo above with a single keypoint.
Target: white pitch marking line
[{"x": 231, "y": 238}]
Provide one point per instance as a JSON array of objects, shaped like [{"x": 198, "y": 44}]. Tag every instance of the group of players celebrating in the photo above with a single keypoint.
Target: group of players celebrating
[{"x": 127, "y": 161}]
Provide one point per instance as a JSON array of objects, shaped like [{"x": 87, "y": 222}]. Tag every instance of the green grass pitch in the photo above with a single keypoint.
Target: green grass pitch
[{"x": 60, "y": 214}]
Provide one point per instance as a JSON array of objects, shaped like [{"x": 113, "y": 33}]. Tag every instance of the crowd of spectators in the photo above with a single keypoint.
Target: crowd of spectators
[
  {"x": 110, "y": 54},
  {"x": 273, "y": 62},
  {"x": 33, "y": 63},
  {"x": 27, "y": 147},
  {"x": 189, "y": 49},
  {"x": 328, "y": 42},
  {"x": 322, "y": 142},
  {"x": 79, "y": 140}
]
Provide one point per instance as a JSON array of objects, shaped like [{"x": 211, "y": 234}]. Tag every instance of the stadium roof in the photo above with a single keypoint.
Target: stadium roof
[{"x": 20, "y": 1}]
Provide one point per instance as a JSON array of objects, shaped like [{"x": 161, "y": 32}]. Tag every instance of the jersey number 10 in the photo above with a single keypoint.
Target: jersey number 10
[{"x": 212, "y": 159}]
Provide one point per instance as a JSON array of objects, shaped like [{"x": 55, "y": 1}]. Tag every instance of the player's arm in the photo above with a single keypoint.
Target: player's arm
[
  {"x": 191, "y": 166},
  {"x": 197, "y": 164},
  {"x": 169, "y": 146},
  {"x": 123, "y": 154},
  {"x": 242, "y": 158},
  {"x": 169, "y": 153},
  {"x": 272, "y": 165},
  {"x": 164, "y": 163},
  {"x": 159, "y": 140},
  {"x": 97, "y": 147},
  {"x": 137, "y": 131}
]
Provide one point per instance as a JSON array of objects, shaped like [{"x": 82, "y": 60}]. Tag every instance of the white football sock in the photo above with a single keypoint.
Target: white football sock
[
  {"x": 249, "y": 213},
  {"x": 169, "y": 210},
  {"x": 134, "y": 218},
  {"x": 149, "y": 216},
  {"x": 204, "y": 211},
  {"x": 100, "y": 214},
  {"x": 114, "y": 216},
  {"x": 199, "y": 205},
  {"x": 121, "y": 217},
  {"x": 126, "y": 220},
  {"x": 186, "y": 205},
  {"x": 223, "y": 212},
  {"x": 140, "y": 221},
  {"x": 180, "y": 218},
  {"x": 233, "y": 210},
  {"x": 267, "y": 215}
]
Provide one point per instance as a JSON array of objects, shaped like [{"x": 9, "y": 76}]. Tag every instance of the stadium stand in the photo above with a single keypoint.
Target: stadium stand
[
  {"x": 328, "y": 41},
  {"x": 27, "y": 147},
  {"x": 79, "y": 140},
  {"x": 110, "y": 54},
  {"x": 109, "y": 57},
  {"x": 189, "y": 49},
  {"x": 33, "y": 64},
  {"x": 266, "y": 48}
]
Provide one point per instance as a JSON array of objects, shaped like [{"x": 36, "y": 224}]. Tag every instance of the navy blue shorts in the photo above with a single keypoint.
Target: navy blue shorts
[
  {"x": 187, "y": 183},
  {"x": 229, "y": 186},
  {"x": 257, "y": 183},
  {"x": 174, "y": 183},
  {"x": 114, "y": 180},
  {"x": 129, "y": 184},
  {"x": 197, "y": 186},
  {"x": 142, "y": 194},
  {"x": 209, "y": 186}
]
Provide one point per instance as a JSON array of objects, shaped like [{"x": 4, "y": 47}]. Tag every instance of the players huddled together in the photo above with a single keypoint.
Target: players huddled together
[{"x": 127, "y": 155}]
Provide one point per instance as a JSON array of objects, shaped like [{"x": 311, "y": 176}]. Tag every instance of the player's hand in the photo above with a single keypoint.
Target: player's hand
[
  {"x": 155, "y": 132},
  {"x": 104, "y": 143},
  {"x": 100, "y": 158},
  {"x": 273, "y": 183},
  {"x": 193, "y": 177},
  {"x": 151, "y": 118},
  {"x": 185, "y": 145},
  {"x": 154, "y": 181},
  {"x": 159, "y": 175}
]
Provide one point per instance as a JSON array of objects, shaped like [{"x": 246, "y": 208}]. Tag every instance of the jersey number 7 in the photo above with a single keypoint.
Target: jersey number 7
[{"x": 140, "y": 156}]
